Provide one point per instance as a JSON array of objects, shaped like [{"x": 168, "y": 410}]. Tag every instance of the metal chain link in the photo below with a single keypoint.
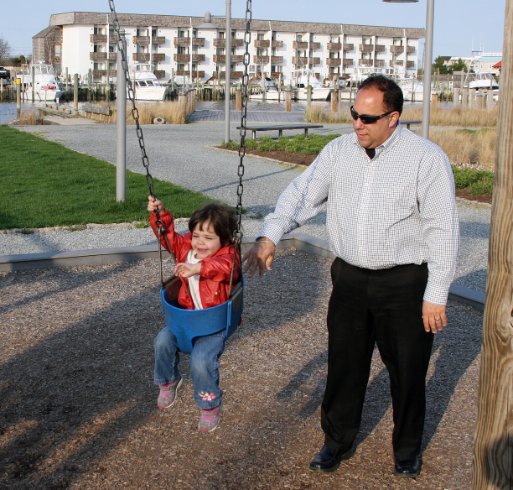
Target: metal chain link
[
  {"x": 244, "y": 110},
  {"x": 131, "y": 97},
  {"x": 243, "y": 120}
]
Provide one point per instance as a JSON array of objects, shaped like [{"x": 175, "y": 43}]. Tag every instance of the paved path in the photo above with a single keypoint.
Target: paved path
[{"x": 186, "y": 155}]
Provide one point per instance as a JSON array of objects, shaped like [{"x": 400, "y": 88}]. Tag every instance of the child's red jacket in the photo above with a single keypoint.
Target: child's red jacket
[{"x": 215, "y": 271}]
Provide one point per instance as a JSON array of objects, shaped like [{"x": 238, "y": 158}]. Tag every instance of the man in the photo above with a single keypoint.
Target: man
[{"x": 392, "y": 225}]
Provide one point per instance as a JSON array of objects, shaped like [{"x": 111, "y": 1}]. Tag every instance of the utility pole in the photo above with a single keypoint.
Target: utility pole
[{"x": 493, "y": 450}]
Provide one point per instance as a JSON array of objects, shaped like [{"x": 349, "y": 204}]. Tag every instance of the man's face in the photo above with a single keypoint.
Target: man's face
[{"x": 369, "y": 102}]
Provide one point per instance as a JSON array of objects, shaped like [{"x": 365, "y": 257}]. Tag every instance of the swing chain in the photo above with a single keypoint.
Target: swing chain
[
  {"x": 243, "y": 120},
  {"x": 131, "y": 96}
]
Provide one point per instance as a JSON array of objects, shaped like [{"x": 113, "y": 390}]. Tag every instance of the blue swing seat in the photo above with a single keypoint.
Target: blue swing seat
[{"x": 187, "y": 325}]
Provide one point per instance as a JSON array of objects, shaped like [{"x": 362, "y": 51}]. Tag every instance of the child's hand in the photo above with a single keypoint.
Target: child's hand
[
  {"x": 154, "y": 205},
  {"x": 187, "y": 270}
]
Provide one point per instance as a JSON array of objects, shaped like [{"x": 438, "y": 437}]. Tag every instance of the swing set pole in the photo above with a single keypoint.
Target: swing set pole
[
  {"x": 121, "y": 132},
  {"x": 227, "y": 71}
]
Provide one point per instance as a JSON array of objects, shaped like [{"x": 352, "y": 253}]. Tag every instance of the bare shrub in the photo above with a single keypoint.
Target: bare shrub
[{"x": 29, "y": 118}]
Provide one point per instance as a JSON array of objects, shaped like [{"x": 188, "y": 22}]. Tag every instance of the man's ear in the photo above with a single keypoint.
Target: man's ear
[{"x": 393, "y": 119}]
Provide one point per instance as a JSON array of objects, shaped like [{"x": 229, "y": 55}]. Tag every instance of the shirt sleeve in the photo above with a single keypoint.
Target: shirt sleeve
[
  {"x": 440, "y": 226},
  {"x": 303, "y": 198},
  {"x": 169, "y": 235}
]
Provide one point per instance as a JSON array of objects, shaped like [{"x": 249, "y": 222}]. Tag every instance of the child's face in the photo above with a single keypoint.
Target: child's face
[{"x": 205, "y": 241}]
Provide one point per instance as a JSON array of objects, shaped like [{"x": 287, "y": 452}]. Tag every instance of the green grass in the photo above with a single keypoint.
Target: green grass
[
  {"x": 476, "y": 182},
  {"x": 310, "y": 145},
  {"x": 46, "y": 184}
]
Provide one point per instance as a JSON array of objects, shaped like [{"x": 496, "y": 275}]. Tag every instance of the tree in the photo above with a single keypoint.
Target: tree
[
  {"x": 440, "y": 67},
  {"x": 5, "y": 49},
  {"x": 460, "y": 65}
]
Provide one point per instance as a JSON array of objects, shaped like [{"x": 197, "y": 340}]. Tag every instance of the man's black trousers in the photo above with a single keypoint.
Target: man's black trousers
[{"x": 383, "y": 308}]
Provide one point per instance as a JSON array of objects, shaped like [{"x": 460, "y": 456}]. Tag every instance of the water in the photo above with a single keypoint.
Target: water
[
  {"x": 8, "y": 109},
  {"x": 7, "y": 112}
]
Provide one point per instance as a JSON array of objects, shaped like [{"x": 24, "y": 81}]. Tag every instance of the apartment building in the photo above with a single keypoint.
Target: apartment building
[{"x": 182, "y": 47}]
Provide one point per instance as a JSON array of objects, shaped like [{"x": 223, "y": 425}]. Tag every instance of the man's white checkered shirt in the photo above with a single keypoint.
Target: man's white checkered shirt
[{"x": 398, "y": 208}]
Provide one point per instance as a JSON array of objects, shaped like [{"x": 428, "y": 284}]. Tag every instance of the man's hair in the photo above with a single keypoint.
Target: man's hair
[
  {"x": 222, "y": 219},
  {"x": 392, "y": 93}
]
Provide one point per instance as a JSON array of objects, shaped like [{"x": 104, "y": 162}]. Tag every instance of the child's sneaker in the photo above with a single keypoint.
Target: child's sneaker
[
  {"x": 209, "y": 419},
  {"x": 168, "y": 395}
]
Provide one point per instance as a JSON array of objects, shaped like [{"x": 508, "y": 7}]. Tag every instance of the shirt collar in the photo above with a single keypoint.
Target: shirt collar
[{"x": 386, "y": 144}]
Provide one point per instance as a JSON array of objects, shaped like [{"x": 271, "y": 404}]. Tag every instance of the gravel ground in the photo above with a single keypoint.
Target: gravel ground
[{"x": 77, "y": 397}]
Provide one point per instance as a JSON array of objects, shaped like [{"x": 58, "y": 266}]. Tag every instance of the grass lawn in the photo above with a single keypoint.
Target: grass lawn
[{"x": 46, "y": 184}]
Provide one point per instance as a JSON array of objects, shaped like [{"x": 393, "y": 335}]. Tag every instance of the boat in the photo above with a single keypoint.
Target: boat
[
  {"x": 306, "y": 78},
  {"x": 265, "y": 89},
  {"x": 45, "y": 82},
  {"x": 482, "y": 81},
  {"x": 413, "y": 90},
  {"x": 146, "y": 85}
]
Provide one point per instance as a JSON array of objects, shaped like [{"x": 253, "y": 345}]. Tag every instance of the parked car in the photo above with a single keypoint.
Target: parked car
[{"x": 4, "y": 73}]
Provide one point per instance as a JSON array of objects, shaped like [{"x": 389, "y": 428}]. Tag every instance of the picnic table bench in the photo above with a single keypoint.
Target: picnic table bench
[
  {"x": 409, "y": 122},
  {"x": 280, "y": 128}
]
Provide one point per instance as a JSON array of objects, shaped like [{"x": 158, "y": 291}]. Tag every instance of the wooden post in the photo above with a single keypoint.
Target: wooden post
[
  {"x": 288, "y": 101},
  {"x": 334, "y": 101},
  {"x": 18, "y": 98},
  {"x": 490, "y": 103},
  {"x": 308, "y": 97},
  {"x": 456, "y": 96},
  {"x": 33, "y": 73},
  {"x": 75, "y": 94},
  {"x": 464, "y": 98},
  {"x": 493, "y": 449},
  {"x": 238, "y": 100}
]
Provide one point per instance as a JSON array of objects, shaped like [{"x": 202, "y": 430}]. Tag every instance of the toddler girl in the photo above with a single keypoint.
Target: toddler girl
[{"x": 204, "y": 258}]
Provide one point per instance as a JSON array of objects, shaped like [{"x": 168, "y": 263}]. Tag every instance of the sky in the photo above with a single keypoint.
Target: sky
[{"x": 460, "y": 26}]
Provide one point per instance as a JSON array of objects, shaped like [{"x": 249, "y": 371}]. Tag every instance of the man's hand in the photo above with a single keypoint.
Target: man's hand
[
  {"x": 260, "y": 257},
  {"x": 433, "y": 317}
]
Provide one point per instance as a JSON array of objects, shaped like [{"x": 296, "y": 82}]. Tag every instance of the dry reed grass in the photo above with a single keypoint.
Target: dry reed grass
[
  {"x": 457, "y": 116},
  {"x": 29, "y": 118},
  {"x": 170, "y": 112},
  {"x": 475, "y": 148}
]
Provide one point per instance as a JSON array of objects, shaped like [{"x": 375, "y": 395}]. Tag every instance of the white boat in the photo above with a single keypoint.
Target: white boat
[
  {"x": 46, "y": 87},
  {"x": 265, "y": 89},
  {"x": 318, "y": 92},
  {"x": 306, "y": 78},
  {"x": 482, "y": 81},
  {"x": 413, "y": 90},
  {"x": 146, "y": 85}
]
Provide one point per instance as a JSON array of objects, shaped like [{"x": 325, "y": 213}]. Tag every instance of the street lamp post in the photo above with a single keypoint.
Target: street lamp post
[
  {"x": 428, "y": 55},
  {"x": 227, "y": 72}
]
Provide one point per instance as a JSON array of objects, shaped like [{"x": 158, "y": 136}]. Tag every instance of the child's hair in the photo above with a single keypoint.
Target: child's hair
[{"x": 223, "y": 220}]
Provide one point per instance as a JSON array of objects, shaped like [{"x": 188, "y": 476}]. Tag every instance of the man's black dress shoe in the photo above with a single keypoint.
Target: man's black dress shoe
[
  {"x": 328, "y": 459},
  {"x": 409, "y": 468}
]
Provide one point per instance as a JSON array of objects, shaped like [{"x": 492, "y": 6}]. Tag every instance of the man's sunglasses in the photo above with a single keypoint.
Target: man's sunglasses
[{"x": 368, "y": 119}]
